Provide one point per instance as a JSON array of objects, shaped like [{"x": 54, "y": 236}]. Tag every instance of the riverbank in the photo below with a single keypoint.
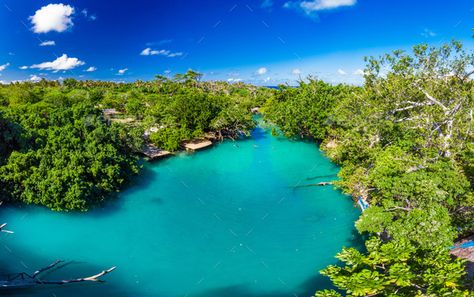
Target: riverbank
[{"x": 84, "y": 144}]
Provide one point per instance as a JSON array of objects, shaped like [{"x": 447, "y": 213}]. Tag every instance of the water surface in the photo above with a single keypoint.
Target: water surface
[{"x": 227, "y": 221}]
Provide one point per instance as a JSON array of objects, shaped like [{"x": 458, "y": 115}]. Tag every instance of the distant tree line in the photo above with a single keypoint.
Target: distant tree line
[{"x": 57, "y": 148}]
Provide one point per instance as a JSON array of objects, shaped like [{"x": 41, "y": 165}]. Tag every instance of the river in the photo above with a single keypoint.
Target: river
[{"x": 227, "y": 221}]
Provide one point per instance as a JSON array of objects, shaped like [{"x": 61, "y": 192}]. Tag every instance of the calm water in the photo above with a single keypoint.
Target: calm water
[{"x": 227, "y": 221}]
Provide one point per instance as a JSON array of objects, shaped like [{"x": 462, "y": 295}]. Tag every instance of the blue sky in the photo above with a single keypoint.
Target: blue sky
[{"x": 265, "y": 42}]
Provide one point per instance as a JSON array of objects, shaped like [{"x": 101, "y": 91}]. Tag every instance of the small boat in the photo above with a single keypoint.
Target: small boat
[{"x": 362, "y": 203}]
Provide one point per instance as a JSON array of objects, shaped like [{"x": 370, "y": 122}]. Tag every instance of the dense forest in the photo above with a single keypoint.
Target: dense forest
[
  {"x": 404, "y": 142},
  {"x": 59, "y": 147}
]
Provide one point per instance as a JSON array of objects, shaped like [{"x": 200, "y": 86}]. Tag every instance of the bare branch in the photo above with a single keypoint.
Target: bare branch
[
  {"x": 5, "y": 231},
  {"x": 408, "y": 119},
  {"x": 413, "y": 105},
  {"x": 467, "y": 75},
  {"x": 37, "y": 272},
  {"x": 93, "y": 278},
  {"x": 434, "y": 100},
  {"x": 23, "y": 279}
]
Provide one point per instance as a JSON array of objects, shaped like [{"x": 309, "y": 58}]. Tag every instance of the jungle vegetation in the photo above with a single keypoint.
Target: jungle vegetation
[
  {"x": 404, "y": 142},
  {"x": 59, "y": 149}
]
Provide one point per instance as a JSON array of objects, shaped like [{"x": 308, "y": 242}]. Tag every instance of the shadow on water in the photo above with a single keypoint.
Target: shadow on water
[
  {"x": 305, "y": 289},
  {"x": 142, "y": 180},
  {"x": 115, "y": 202},
  {"x": 357, "y": 240},
  {"x": 258, "y": 133},
  {"x": 322, "y": 176}
]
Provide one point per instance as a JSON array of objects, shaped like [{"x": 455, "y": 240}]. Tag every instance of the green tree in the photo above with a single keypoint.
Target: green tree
[{"x": 396, "y": 268}]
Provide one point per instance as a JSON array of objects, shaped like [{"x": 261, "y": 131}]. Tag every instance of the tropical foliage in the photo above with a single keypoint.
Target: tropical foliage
[
  {"x": 69, "y": 145},
  {"x": 404, "y": 141}
]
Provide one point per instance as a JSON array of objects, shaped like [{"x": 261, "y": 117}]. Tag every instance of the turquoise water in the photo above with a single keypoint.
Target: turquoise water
[{"x": 227, "y": 221}]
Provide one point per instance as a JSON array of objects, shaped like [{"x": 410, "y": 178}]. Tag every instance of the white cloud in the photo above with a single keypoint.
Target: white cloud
[
  {"x": 146, "y": 52},
  {"x": 325, "y": 4},
  {"x": 122, "y": 71},
  {"x": 23, "y": 67},
  {"x": 88, "y": 16},
  {"x": 341, "y": 72},
  {"x": 150, "y": 52},
  {"x": 35, "y": 78},
  {"x": 236, "y": 80},
  {"x": 61, "y": 63},
  {"x": 91, "y": 69},
  {"x": 312, "y": 6},
  {"x": 2, "y": 82},
  {"x": 262, "y": 71},
  {"x": 48, "y": 43},
  {"x": 52, "y": 17},
  {"x": 428, "y": 33},
  {"x": 4, "y": 66},
  {"x": 359, "y": 72},
  {"x": 296, "y": 71}
]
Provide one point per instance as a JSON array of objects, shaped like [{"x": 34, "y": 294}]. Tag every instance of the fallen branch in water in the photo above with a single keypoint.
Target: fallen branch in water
[
  {"x": 93, "y": 278},
  {"x": 315, "y": 185},
  {"x": 4, "y": 224},
  {"x": 24, "y": 280},
  {"x": 320, "y": 176},
  {"x": 3, "y": 230}
]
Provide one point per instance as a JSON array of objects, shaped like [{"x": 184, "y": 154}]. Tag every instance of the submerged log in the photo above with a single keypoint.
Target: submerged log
[
  {"x": 324, "y": 184},
  {"x": 321, "y": 184},
  {"x": 25, "y": 280},
  {"x": 2, "y": 226},
  {"x": 320, "y": 176}
]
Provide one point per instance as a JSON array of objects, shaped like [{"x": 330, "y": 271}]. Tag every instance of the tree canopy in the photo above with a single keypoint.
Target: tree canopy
[
  {"x": 404, "y": 142},
  {"x": 59, "y": 147}
]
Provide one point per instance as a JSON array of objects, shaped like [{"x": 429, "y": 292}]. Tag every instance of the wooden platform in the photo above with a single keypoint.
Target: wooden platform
[
  {"x": 210, "y": 135},
  {"x": 152, "y": 152},
  {"x": 197, "y": 145}
]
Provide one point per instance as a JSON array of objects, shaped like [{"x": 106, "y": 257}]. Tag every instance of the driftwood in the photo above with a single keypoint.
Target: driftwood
[
  {"x": 4, "y": 224},
  {"x": 320, "y": 176},
  {"x": 25, "y": 280},
  {"x": 3, "y": 230},
  {"x": 316, "y": 185}
]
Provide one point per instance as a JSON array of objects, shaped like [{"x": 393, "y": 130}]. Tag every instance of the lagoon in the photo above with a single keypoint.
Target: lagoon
[{"x": 232, "y": 220}]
